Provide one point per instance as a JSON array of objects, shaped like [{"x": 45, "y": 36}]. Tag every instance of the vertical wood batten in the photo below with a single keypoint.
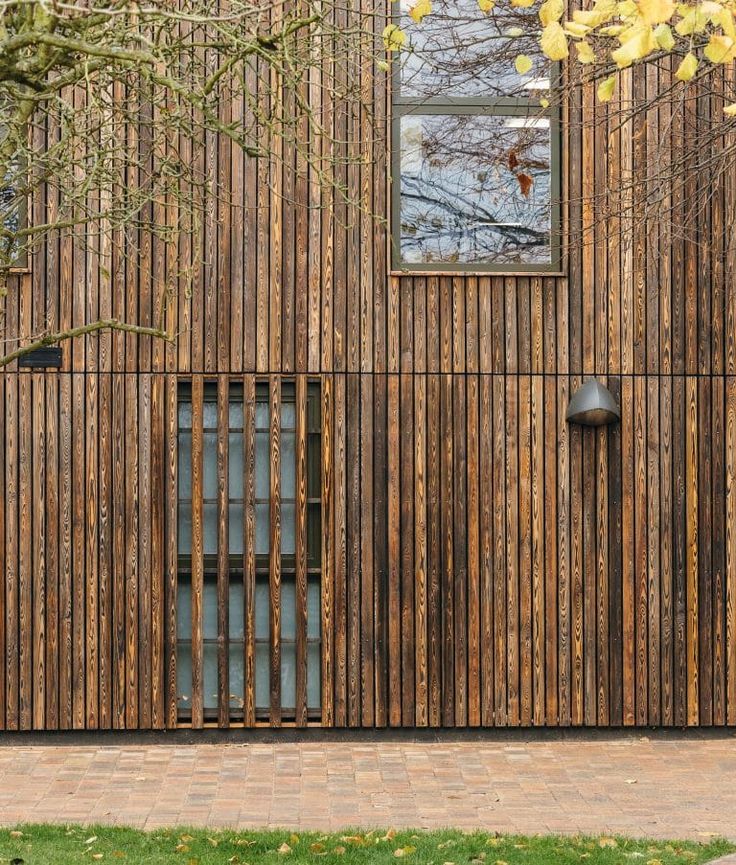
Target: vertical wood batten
[
  {"x": 197, "y": 552},
  {"x": 328, "y": 559},
  {"x": 274, "y": 547},
  {"x": 301, "y": 551},
  {"x": 249, "y": 548},
  {"x": 171, "y": 547}
]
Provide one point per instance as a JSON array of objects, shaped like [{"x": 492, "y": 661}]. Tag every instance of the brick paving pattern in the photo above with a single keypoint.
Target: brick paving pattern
[{"x": 664, "y": 787}]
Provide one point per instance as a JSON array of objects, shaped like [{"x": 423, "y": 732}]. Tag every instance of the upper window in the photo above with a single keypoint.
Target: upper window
[
  {"x": 475, "y": 153},
  {"x": 12, "y": 211}
]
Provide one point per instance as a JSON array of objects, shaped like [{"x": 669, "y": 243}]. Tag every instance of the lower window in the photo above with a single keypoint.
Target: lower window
[{"x": 227, "y": 474}]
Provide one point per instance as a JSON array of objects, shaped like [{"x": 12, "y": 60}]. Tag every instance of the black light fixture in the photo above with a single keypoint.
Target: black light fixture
[{"x": 592, "y": 405}]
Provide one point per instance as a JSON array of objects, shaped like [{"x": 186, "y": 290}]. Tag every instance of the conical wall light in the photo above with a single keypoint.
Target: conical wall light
[{"x": 592, "y": 405}]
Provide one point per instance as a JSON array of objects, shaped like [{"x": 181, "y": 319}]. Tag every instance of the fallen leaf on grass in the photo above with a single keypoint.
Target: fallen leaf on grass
[
  {"x": 284, "y": 849},
  {"x": 16, "y": 834},
  {"x": 607, "y": 842}
]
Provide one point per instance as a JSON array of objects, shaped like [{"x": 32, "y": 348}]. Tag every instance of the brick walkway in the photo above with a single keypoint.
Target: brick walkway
[{"x": 660, "y": 787}]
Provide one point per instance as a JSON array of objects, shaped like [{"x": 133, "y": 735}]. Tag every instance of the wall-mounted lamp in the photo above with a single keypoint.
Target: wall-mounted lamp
[{"x": 592, "y": 405}]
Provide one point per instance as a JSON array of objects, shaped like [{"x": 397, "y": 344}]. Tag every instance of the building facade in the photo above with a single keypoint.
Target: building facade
[{"x": 346, "y": 495}]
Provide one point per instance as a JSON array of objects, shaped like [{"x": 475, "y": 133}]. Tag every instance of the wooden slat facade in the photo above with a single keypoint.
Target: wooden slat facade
[{"x": 483, "y": 563}]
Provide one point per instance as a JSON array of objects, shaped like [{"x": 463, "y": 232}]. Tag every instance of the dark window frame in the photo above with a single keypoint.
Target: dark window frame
[{"x": 503, "y": 106}]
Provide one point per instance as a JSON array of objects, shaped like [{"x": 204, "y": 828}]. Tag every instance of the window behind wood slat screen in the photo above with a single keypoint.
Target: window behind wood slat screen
[{"x": 242, "y": 602}]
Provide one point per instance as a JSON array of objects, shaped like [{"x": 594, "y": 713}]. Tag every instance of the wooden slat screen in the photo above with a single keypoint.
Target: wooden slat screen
[{"x": 250, "y": 529}]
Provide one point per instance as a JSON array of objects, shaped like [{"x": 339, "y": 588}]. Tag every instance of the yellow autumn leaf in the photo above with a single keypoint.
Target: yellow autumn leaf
[
  {"x": 544, "y": 102},
  {"x": 611, "y": 30},
  {"x": 694, "y": 21},
  {"x": 685, "y": 71},
  {"x": 711, "y": 9},
  {"x": 554, "y": 42},
  {"x": 720, "y": 49},
  {"x": 486, "y": 5},
  {"x": 607, "y": 842},
  {"x": 606, "y": 88},
  {"x": 523, "y": 64},
  {"x": 664, "y": 37},
  {"x": 576, "y": 29},
  {"x": 589, "y": 17},
  {"x": 393, "y": 37},
  {"x": 639, "y": 43},
  {"x": 551, "y": 10},
  {"x": 514, "y": 32},
  {"x": 585, "y": 52},
  {"x": 730, "y": 110},
  {"x": 601, "y": 12},
  {"x": 284, "y": 849},
  {"x": 656, "y": 11},
  {"x": 420, "y": 9},
  {"x": 522, "y": 4},
  {"x": 726, "y": 23}
]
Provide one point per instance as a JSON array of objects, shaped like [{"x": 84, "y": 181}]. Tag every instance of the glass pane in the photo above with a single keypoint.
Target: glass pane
[
  {"x": 209, "y": 414},
  {"x": 236, "y": 676},
  {"x": 235, "y": 466},
  {"x": 262, "y": 414},
  {"x": 314, "y": 676},
  {"x": 209, "y": 458},
  {"x": 185, "y": 415},
  {"x": 262, "y": 528},
  {"x": 314, "y": 466},
  {"x": 288, "y": 676},
  {"x": 210, "y": 529},
  {"x": 458, "y": 51},
  {"x": 209, "y": 609},
  {"x": 262, "y": 676},
  {"x": 185, "y": 465},
  {"x": 262, "y": 466},
  {"x": 210, "y": 676},
  {"x": 314, "y": 534},
  {"x": 262, "y": 610},
  {"x": 185, "y": 529},
  {"x": 288, "y": 529},
  {"x": 314, "y": 611},
  {"x": 237, "y": 612},
  {"x": 236, "y": 415},
  {"x": 184, "y": 675},
  {"x": 183, "y": 610},
  {"x": 235, "y": 530},
  {"x": 288, "y": 465},
  {"x": 475, "y": 189},
  {"x": 288, "y": 610},
  {"x": 313, "y": 409},
  {"x": 288, "y": 415}
]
